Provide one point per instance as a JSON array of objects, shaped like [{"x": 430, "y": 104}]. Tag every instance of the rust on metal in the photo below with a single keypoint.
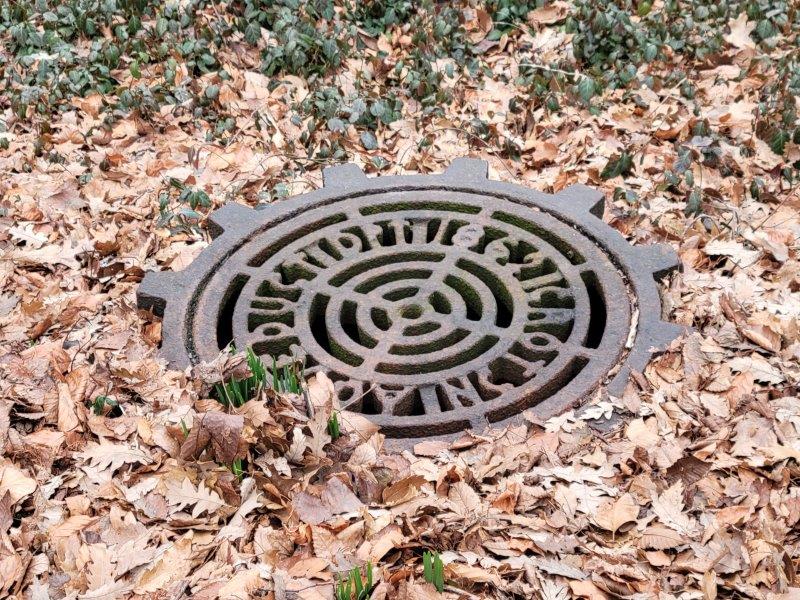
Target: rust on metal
[{"x": 435, "y": 303}]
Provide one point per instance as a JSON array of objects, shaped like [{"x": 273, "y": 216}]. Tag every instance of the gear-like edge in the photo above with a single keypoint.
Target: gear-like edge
[{"x": 169, "y": 294}]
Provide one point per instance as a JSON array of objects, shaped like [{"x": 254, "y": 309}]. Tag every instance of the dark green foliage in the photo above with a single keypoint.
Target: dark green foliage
[
  {"x": 331, "y": 110},
  {"x": 779, "y": 106},
  {"x": 378, "y": 16},
  {"x": 694, "y": 203},
  {"x": 614, "y": 38},
  {"x": 433, "y": 570},
  {"x": 618, "y": 165},
  {"x": 306, "y": 38},
  {"x": 509, "y": 14},
  {"x": 133, "y": 52},
  {"x": 194, "y": 197},
  {"x": 178, "y": 206},
  {"x": 100, "y": 402},
  {"x": 355, "y": 586},
  {"x": 48, "y": 42},
  {"x": 610, "y": 38},
  {"x": 586, "y": 88}
]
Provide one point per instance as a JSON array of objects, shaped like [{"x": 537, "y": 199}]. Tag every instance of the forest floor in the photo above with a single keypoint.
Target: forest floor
[{"x": 113, "y": 155}]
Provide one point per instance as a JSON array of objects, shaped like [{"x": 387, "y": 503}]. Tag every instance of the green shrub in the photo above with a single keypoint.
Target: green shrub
[{"x": 614, "y": 38}]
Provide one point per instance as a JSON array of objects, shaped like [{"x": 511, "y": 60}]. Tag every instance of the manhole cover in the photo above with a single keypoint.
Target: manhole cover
[{"x": 436, "y": 303}]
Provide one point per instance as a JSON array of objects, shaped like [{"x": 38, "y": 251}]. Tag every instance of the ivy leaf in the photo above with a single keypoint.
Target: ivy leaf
[
  {"x": 161, "y": 26},
  {"x": 252, "y": 33},
  {"x": 764, "y": 29},
  {"x": 377, "y": 109},
  {"x": 693, "y": 203},
  {"x": 618, "y": 165},
  {"x": 336, "y": 125},
  {"x": 777, "y": 141},
  {"x": 586, "y": 88},
  {"x": 368, "y": 140},
  {"x": 212, "y": 92}
]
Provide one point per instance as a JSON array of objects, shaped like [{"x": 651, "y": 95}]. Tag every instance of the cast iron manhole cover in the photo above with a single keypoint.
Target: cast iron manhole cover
[{"x": 436, "y": 303}]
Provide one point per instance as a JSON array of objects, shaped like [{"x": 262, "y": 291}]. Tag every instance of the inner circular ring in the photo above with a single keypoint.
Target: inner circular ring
[
  {"x": 375, "y": 315},
  {"x": 353, "y": 257},
  {"x": 384, "y": 351}
]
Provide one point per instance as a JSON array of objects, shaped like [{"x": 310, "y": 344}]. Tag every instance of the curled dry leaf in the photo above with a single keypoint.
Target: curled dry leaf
[
  {"x": 614, "y": 514},
  {"x": 549, "y": 14},
  {"x": 403, "y": 490},
  {"x": 215, "y": 431},
  {"x": 471, "y": 574},
  {"x": 334, "y": 498},
  {"x": 321, "y": 393},
  {"x": 14, "y": 482},
  {"x": 658, "y": 537}
]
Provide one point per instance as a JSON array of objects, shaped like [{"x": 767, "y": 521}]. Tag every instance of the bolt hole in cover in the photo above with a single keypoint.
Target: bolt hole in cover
[{"x": 436, "y": 303}]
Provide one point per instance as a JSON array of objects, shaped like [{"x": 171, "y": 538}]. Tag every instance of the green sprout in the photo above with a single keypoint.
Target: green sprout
[
  {"x": 333, "y": 426},
  {"x": 433, "y": 570},
  {"x": 236, "y": 392},
  {"x": 354, "y": 587},
  {"x": 102, "y": 401},
  {"x": 287, "y": 380},
  {"x": 237, "y": 469}
]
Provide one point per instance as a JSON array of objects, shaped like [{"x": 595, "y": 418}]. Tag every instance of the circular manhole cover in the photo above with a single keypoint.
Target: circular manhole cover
[{"x": 435, "y": 303}]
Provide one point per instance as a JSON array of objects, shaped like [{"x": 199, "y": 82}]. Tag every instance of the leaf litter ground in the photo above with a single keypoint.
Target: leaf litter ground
[{"x": 695, "y": 496}]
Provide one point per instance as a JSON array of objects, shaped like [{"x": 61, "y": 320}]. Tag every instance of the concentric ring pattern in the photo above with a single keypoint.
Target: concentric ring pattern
[{"x": 435, "y": 303}]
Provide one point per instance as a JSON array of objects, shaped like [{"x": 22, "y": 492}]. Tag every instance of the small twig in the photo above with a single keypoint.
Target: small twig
[
  {"x": 353, "y": 401},
  {"x": 552, "y": 70},
  {"x": 458, "y": 590}
]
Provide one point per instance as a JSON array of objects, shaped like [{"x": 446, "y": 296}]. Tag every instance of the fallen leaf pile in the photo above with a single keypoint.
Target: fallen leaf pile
[{"x": 695, "y": 495}]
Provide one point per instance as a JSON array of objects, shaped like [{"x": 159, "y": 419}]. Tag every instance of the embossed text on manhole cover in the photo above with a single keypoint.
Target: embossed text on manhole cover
[{"x": 436, "y": 303}]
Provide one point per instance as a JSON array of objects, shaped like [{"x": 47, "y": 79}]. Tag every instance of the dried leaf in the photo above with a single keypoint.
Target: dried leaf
[
  {"x": 463, "y": 500},
  {"x": 14, "y": 482},
  {"x": 657, "y": 537},
  {"x": 614, "y": 514},
  {"x": 739, "y": 36},
  {"x": 335, "y": 498},
  {"x": 183, "y": 494},
  {"x": 106, "y": 456},
  {"x": 669, "y": 508},
  {"x": 220, "y": 431}
]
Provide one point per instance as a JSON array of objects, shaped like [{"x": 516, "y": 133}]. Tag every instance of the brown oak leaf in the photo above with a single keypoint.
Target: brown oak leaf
[{"x": 220, "y": 431}]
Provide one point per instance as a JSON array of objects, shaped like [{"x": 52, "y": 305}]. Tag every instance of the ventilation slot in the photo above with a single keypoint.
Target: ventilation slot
[
  {"x": 597, "y": 310},
  {"x": 225, "y": 315}
]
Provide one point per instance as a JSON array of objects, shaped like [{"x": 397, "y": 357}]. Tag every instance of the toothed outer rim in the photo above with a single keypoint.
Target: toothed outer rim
[{"x": 179, "y": 296}]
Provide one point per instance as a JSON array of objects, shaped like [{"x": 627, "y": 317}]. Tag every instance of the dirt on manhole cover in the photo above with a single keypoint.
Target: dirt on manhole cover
[{"x": 436, "y": 303}]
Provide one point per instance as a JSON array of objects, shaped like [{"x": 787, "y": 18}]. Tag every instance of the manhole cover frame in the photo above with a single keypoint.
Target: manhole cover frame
[{"x": 182, "y": 298}]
